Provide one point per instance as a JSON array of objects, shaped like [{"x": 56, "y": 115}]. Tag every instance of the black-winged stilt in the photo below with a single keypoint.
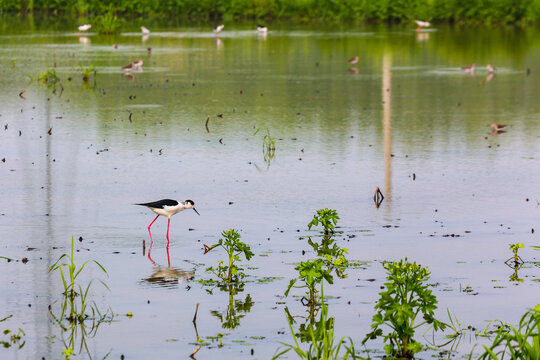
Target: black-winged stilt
[
  {"x": 262, "y": 30},
  {"x": 218, "y": 29},
  {"x": 168, "y": 208}
]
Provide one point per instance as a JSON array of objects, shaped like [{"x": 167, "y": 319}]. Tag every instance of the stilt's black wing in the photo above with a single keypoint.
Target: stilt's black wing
[{"x": 160, "y": 204}]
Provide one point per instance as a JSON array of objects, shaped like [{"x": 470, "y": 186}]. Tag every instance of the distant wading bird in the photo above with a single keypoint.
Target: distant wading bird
[
  {"x": 353, "y": 60},
  {"x": 145, "y": 31},
  {"x": 422, "y": 24},
  {"x": 218, "y": 29},
  {"x": 490, "y": 68},
  {"x": 262, "y": 30},
  {"x": 135, "y": 65},
  {"x": 168, "y": 208},
  {"x": 469, "y": 69},
  {"x": 84, "y": 28},
  {"x": 497, "y": 127}
]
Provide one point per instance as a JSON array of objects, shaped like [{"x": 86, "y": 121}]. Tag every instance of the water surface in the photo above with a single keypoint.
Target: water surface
[{"x": 405, "y": 119}]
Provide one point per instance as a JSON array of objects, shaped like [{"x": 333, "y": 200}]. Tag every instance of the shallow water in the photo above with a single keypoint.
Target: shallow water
[{"x": 407, "y": 120}]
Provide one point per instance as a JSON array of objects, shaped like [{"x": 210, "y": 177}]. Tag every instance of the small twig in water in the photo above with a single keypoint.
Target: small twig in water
[
  {"x": 206, "y": 249},
  {"x": 206, "y": 124},
  {"x": 194, "y": 352},
  {"x": 195, "y": 316}
]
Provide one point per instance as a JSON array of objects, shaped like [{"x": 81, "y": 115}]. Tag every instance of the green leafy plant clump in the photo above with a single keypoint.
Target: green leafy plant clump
[
  {"x": 87, "y": 71},
  {"x": 406, "y": 297},
  {"x": 48, "y": 78},
  {"x": 327, "y": 218},
  {"x": 108, "y": 23},
  {"x": 231, "y": 243},
  {"x": 522, "y": 342},
  {"x": 330, "y": 258}
]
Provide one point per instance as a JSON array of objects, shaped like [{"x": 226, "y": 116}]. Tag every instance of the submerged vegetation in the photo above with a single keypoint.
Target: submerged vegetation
[{"x": 475, "y": 11}]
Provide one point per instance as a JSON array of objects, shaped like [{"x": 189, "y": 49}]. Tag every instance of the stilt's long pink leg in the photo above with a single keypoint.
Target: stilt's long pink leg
[
  {"x": 149, "y": 226},
  {"x": 151, "y": 241},
  {"x": 168, "y": 258},
  {"x": 168, "y": 222}
]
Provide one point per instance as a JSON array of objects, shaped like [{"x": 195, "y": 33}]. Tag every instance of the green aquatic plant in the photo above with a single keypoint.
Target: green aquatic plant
[
  {"x": 107, "y": 24},
  {"x": 75, "y": 297},
  {"x": 14, "y": 338},
  {"x": 311, "y": 274},
  {"x": 231, "y": 243},
  {"x": 79, "y": 317},
  {"x": 332, "y": 255},
  {"x": 87, "y": 71},
  {"x": 522, "y": 342},
  {"x": 327, "y": 218},
  {"x": 406, "y": 296},
  {"x": 48, "y": 78},
  {"x": 515, "y": 261},
  {"x": 320, "y": 335}
]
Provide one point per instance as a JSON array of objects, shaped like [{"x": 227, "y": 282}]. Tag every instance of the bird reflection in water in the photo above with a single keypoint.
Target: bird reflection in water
[{"x": 168, "y": 276}]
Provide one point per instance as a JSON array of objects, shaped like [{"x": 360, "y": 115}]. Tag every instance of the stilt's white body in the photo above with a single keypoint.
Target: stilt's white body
[
  {"x": 84, "y": 28},
  {"x": 169, "y": 211}
]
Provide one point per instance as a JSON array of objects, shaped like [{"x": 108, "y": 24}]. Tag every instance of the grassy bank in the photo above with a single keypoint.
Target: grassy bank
[{"x": 467, "y": 11}]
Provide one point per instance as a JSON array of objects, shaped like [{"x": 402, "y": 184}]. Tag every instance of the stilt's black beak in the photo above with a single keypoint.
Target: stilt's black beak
[{"x": 196, "y": 212}]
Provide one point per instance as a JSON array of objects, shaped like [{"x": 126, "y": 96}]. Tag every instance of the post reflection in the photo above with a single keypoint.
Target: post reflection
[{"x": 387, "y": 122}]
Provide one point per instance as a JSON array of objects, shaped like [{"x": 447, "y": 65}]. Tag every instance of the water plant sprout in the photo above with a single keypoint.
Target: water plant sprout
[
  {"x": 231, "y": 243},
  {"x": 515, "y": 262},
  {"x": 406, "y": 296},
  {"x": 75, "y": 300}
]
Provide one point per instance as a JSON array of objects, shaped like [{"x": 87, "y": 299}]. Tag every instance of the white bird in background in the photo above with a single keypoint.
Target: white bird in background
[
  {"x": 490, "y": 68},
  {"x": 84, "y": 28},
  {"x": 145, "y": 31},
  {"x": 218, "y": 29},
  {"x": 263, "y": 30},
  {"x": 422, "y": 24}
]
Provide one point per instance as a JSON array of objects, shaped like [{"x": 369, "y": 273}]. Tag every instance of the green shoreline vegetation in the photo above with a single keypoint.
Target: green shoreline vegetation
[{"x": 449, "y": 11}]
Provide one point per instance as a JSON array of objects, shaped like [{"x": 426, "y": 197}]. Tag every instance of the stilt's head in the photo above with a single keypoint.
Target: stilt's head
[{"x": 190, "y": 204}]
